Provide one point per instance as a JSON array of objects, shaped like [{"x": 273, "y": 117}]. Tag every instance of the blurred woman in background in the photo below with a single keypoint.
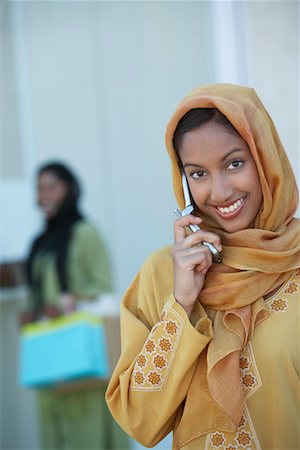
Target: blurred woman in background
[{"x": 68, "y": 262}]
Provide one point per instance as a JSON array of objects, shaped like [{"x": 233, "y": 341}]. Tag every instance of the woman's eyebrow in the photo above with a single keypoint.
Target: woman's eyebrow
[
  {"x": 223, "y": 158},
  {"x": 233, "y": 151},
  {"x": 191, "y": 165}
]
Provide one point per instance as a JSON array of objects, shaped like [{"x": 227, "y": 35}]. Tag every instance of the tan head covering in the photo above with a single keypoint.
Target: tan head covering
[{"x": 255, "y": 261}]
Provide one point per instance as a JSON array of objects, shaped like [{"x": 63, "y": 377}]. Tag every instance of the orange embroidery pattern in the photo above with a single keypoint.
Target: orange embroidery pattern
[
  {"x": 292, "y": 287},
  {"x": 165, "y": 344},
  {"x": 171, "y": 327},
  {"x": 141, "y": 360},
  {"x": 154, "y": 377},
  {"x": 242, "y": 422},
  {"x": 278, "y": 305},
  {"x": 139, "y": 377},
  {"x": 217, "y": 439},
  {"x": 159, "y": 361},
  {"x": 244, "y": 363},
  {"x": 150, "y": 346},
  {"x": 248, "y": 380},
  {"x": 245, "y": 436},
  {"x": 152, "y": 365}
]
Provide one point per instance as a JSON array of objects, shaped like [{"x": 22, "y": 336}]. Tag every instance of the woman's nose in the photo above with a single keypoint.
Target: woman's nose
[{"x": 221, "y": 189}]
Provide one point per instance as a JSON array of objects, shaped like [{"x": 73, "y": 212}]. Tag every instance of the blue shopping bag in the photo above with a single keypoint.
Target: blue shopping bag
[{"x": 63, "y": 349}]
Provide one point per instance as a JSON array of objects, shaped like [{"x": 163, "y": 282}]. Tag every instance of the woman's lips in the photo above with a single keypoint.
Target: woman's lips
[{"x": 230, "y": 210}]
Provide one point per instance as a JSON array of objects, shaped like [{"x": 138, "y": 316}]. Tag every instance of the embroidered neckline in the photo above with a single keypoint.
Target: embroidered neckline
[{"x": 282, "y": 287}]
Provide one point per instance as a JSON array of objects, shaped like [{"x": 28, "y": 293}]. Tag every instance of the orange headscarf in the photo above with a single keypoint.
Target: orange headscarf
[{"x": 255, "y": 260}]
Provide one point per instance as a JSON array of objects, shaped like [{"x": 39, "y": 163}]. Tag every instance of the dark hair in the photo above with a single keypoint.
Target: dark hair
[
  {"x": 196, "y": 118},
  {"x": 63, "y": 173}
]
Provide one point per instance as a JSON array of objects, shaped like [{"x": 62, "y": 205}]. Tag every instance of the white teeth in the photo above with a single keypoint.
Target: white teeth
[{"x": 231, "y": 208}]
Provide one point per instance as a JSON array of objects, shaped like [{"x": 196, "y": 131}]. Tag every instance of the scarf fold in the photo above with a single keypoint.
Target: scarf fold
[{"x": 255, "y": 261}]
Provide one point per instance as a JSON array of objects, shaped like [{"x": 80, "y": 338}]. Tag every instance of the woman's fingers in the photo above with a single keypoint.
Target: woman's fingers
[
  {"x": 195, "y": 238},
  {"x": 202, "y": 236},
  {"x": 196, "y": 259},
  {"x": 181, "y": 224}
]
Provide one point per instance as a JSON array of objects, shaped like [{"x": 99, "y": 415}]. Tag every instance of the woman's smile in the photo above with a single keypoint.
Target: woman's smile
[{"x": 231, "y": 209}]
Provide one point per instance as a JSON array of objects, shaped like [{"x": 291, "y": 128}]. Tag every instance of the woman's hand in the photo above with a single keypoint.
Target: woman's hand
[
  {"x": 26, "y": 317},
  {"x": 191, "y": 261},
  {"x": 67, "y": 302}
]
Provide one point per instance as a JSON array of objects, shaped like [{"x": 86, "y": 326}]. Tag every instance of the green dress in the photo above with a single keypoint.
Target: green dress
[{"x": 78, "y": 420}]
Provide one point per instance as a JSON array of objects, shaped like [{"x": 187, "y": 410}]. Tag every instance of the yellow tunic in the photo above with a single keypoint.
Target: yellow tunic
[{"x": 160, "y": 348}]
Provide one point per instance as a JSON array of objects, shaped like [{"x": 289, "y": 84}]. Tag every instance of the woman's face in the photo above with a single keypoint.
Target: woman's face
[
  {"x": 222, "y": 176},
  {"x": 51, "y": 193}
]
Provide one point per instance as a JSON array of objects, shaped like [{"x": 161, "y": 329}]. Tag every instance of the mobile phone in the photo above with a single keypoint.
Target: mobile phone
[{"x": 188, "y": 210}]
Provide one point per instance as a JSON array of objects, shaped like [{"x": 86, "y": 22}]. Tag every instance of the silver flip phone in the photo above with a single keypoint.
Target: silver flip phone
[{"x": 188, "y": 210}]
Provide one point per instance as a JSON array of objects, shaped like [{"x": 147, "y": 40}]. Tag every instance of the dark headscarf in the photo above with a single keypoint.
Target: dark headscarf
[{"x": 55, "y": 239}]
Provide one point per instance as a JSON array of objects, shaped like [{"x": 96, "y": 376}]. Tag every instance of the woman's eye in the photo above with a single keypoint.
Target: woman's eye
[
  {"x": 198, "y": 174},
  {"x": 235, "y": 164}
]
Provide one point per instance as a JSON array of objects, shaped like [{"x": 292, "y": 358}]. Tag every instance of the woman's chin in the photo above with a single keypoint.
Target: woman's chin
[
  {"x": 48, "y": 213},
  {"x": 229, "y": 225}
]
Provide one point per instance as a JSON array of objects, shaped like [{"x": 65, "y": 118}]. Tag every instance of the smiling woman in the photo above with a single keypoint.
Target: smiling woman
[
  {"x": 211, "y": 350},
  {"x": 220, "y": 169}
]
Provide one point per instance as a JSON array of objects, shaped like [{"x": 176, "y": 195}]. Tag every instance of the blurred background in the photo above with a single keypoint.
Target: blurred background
[{"x": 93, "y": 84}]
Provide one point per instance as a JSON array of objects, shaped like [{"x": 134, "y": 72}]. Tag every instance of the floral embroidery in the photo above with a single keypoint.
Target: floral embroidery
[
  {"x": 165, "y": 344},
  {"x": 141, "y": 360},
  {"x": 248, "y": 380},
  {"x": 150, "y": 346},
  {"x": 159, "y": 361},
  {"x": 242, "y": 422},
  {"x": 279, "y": 305},
  {"x": 292, "y": 287},
  {"x": 243, "y": 438},
  {"x": 139, "y": 377},
  {"x": 244, "y": 363},
  {"x": 152, "y": 365},
  {"x": 154, "y": 377},
  {"x": 171, "y": 327},
  {"x": 217, "y": 439}
]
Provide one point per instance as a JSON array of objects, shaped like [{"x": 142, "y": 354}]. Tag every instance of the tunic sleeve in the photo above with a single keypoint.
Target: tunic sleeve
[
  {"x": 89, "y": 264},
  {"x": 160, "y": 347}
]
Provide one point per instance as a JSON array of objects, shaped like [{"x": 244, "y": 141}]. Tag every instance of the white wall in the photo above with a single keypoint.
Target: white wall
[
  {"x": 99, "y": 82},
  {"x": 273, "y": 46}
]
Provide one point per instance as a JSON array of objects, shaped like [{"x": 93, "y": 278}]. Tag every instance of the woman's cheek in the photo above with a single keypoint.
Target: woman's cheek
[{"x": 199, "y": 196}]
